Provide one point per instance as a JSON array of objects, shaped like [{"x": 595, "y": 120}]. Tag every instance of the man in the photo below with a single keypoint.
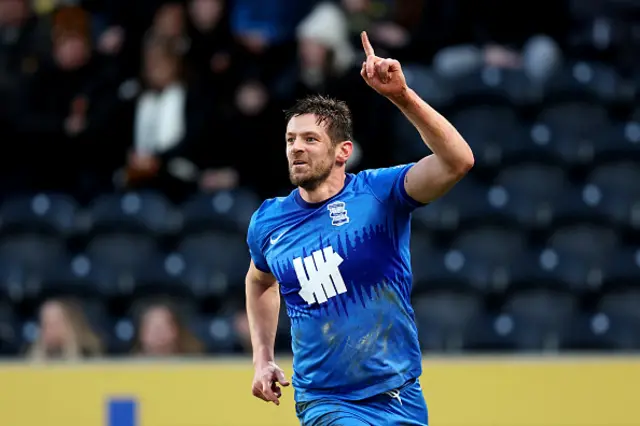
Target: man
[{"x": 338, "y": 249}]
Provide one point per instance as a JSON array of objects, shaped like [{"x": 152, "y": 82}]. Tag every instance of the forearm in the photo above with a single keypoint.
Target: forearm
[
  {"x": 437, "y": 132},
  {"x": 263, "y": 308}
]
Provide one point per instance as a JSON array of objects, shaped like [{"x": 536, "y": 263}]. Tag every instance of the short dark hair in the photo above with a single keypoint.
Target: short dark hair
[{"x": 334, "y": 113}]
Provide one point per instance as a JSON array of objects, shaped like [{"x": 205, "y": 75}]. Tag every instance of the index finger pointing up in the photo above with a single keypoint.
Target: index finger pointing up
[{"x": 368, "y": 49}]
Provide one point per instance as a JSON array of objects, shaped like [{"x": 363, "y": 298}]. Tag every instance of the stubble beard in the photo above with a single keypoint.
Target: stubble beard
[{"x": 311, "y": 181}]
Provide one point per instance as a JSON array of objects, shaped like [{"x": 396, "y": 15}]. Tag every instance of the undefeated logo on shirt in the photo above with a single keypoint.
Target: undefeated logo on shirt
[{"x": 319, "y": 276}]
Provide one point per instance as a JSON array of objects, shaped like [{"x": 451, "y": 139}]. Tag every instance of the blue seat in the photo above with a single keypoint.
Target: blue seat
[
  {"x": 510, "y": 332},
  {"x": 488, "y": 258},
  {"x": 624, "y": 302},
  {"x": 434, "y": 271},
  {"x": 28, "y": 259},
  {"x": 116, "y": 259},
  {"x": 122, "y": 251},
  {"x": 591, "y": 241},
  {"x": 121, "y": 336},
  {"x": 133, "y": 212},
  {"x": 602, "y": 332},
  {"x": 540, "y": 315},
  {"x": 535, "y": 195},
  {"x": 427, "y": 265},
  {"x": 215, "y": 263},
  {"x": 572, "y": 131},
  {"x": 12, "y": 278},
  {"x": 575, "y": 256},
  {"x": 217, "y": 332},
  {"x": 568, "y": 270},
  {"x": 622, "y": 269},
  {"x": 162, "y": 274},
  {"x": 41, "y": 213},
  {"x": 32, "y": 251},
  {"x": 72, "y": 276},
  {"x": 224, "y": 210},
  {"x": 618, "y": 332},
  {"x": 490, "y": 131},
  {"x": 614, "y": 191},
  {"x": 9, "y": 334},
  {"x": 467, "y": 204},
  {"x": 622, "y": 144},
  {"x": 494, "y": 86},
  {"x": 442, "y": 318},
  {"x": 427, "y": 84},
  {"x": 582, "y": 80}
]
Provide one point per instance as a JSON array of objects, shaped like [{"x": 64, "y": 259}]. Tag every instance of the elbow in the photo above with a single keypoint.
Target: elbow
[
  {"x": 468, "y": 162},
  {"x": 464, "y": 165}
]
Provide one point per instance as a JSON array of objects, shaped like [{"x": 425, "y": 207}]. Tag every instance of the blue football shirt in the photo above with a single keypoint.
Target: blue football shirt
[{"x": 344, "y": 270}]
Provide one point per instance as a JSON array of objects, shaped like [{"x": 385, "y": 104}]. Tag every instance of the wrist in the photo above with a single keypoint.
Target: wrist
[
  {"x": 403, "y": 97},
  {"x": 263, "y": 355}
]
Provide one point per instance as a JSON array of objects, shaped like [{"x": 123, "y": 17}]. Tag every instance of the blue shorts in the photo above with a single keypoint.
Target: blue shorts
[{"x": 404, "y": 406}]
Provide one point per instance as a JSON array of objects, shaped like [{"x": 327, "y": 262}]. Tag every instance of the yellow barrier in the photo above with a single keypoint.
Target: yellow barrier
[{"x": 459, "y": 392}]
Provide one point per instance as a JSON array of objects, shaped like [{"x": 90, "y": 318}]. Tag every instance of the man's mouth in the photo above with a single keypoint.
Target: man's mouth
[{"x": 299, "y": 163}]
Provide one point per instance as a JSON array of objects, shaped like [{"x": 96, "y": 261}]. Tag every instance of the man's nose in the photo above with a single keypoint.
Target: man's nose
[{"x": 298, "y": 145}]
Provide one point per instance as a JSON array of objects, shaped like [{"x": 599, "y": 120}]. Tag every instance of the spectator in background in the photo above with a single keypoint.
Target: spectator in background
[
  {"x": 162, "y": 333},
  {"x": 325, "y": 63},
  {"x": 64, "y": 106},
  {"x": 167, "y": 121},
  {"x": 25, "y": 41},
  {"x": 65, "y": 333},
  {"x": 265, "y": 29},
  {"x": 390, "y": 23},
  {"x": 213, "y": 52},
  {"x": 122, "y": 27},
  {"x": 169, "y": 22}
]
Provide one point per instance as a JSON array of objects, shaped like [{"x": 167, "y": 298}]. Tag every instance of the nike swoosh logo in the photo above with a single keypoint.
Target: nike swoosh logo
[{"x": 276, "y": 239}]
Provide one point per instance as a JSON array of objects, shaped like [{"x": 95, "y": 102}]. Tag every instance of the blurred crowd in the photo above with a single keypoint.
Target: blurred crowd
[
  {"x": 185, "y": 97},
  {"x": 66, "y": 333}
]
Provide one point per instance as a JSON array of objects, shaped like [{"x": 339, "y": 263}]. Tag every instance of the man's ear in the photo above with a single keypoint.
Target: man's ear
[{"x": 344, "y": 151}]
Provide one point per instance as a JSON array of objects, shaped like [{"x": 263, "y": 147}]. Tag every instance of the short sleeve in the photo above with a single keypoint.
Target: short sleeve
[
  {"x": 254, "y": 241},
  {"x": 388, "y": 186}
]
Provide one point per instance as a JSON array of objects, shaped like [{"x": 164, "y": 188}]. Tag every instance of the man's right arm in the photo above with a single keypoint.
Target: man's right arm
[{"x": 263, "y": 308}]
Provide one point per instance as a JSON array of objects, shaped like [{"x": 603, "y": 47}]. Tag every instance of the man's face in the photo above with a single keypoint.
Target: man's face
[
  {"x": 13, "y": 12},
  {"x": 310, "y": 152},
  {"x": 71, "y": 51}
]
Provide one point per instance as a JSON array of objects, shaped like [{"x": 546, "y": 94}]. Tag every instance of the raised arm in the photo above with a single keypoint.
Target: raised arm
[
  {"x": 263, "y": 308},
  {"x": 452, "y": 158}
]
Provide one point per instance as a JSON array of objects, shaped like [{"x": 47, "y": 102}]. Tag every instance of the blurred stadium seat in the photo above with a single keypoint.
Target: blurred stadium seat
[
  {"x": 144, "y": 212},
  {"x": 572, "y": 131},
  {"x": 215, "y": 264},
  {"x": 493, "y": 131},
  {"x": 222, "y": 211},
  {"x": 9, "y": 336},
  {"x": 443, "y": 317},
  {"x": 43, "y": 213}
]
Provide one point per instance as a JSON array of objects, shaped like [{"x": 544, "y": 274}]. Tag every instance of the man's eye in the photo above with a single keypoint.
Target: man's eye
[{"x": 310, "y": 139}]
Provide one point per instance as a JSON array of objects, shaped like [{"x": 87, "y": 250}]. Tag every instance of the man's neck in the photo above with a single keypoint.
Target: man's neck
[{"x": 326, "y": 190}]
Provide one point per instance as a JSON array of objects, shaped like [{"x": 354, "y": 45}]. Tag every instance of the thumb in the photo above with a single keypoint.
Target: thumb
[{"x": 281, "y": 378}]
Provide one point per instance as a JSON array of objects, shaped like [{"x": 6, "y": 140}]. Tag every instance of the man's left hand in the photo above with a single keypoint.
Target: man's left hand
[{"x": 383, "y": 75}]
